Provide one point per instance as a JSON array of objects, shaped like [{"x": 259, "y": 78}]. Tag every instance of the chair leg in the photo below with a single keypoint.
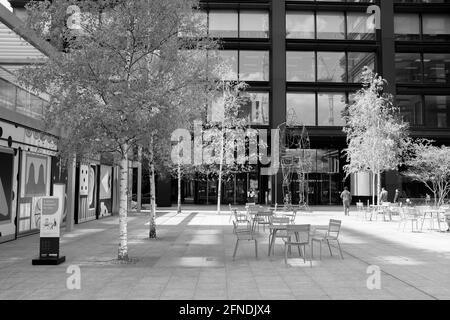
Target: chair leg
[
  {"x": 256, "y": 249},
  {"x": 235, "y": 248},
  {"x": 320, "y": 250},
  {"x": 340, "y": 250},
  {"x": 329, "y": 248},
  {"x": 311, "y": 257},
  {"x": 304, "y": 253},
  {"x": 312, "y": 248},
  {"x": 285, "y": 253}
]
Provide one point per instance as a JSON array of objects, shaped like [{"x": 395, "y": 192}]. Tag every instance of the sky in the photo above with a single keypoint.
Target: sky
[{"x": 6, "y": 4}]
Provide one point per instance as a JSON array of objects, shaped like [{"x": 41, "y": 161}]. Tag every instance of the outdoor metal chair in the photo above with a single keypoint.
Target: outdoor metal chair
[
  {"x": 263, "y": 217},
  {"x": 280, "y": 234},
  {"x": 409, "y": 214},
  {"x": 332, "y": 234},
  {"x": 302, "y": 238},
  {"x": 246, "y": 233}
]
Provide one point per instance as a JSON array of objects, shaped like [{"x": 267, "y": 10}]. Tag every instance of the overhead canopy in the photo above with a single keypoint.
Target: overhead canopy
[{"x": 19, "y": 46}]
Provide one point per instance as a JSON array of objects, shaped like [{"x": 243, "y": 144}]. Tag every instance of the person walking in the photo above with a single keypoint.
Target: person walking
[
  {"x": 346, "y": 197},
  {"x": 383, "y": 195},
  {"x": 396, "y": 195}
]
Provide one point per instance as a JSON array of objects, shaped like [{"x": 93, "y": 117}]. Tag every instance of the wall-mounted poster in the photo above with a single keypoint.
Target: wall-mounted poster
[
  {"x": 84, "y": 179},
  {"x": 6, "y": 165},
  {"x": 105, "y": 191},
  {"x": 92, "y": 186},
  {"x": 36, "y": 175}
]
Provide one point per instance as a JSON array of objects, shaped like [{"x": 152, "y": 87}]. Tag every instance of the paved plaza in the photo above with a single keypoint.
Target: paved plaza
[{"x": 192, "y": 259}]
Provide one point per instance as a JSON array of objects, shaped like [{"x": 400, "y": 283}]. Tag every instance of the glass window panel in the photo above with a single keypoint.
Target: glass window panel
[
  {"x": 300, "y": 66},
  {"x": 7, "y": 94},
  {"x": 300, "y": 25},
  {"x": 437, "y": 111},
  {"x": 360, "y": 26},
  {"x": 408, "y": 67},
  {"x": 256, "y": 108},
  {"x": 330, "y": 107},
  {"x": 223, "y": 24},
  {"x": 437, "y": 67},
  {"x": 301, "y": 109},
  {"x": 436, "y": 27},
  {"x": 410, "y": 108},
  {"x": 253, "y": 24},
  {"x": 407, "y": 26},
  {"x": 356, "y": 62},
  {"x": 254, "y": 65},
  {"x": 331, "y": 67},
  {"x": 330, "y": 25},
  {"x": 216, "y": 110},
  {"x": 230, "y": 57}
]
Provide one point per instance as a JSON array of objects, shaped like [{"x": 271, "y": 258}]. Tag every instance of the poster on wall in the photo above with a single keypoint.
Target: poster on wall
[
  {"x": 105, "y": 190},
  {"x": 6, "y": 165},
  {"x": 36, "y": 175},
  {"x": 92, "y": 186},
  {"x": 35, "y": 183}
]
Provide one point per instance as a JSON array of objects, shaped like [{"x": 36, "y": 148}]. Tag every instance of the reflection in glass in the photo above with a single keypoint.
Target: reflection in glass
[
  {"x": 301, "y": 109},
  {"x": 300, "y": 66},
  {"x": 331, "y": 67},
  {"x": 437, "y": 67},
  {"x": 408, "y": 67},
  {"x": 223, "y": 24},
  {"x": 437, "y": 111},
  {"x": 407, "y": 26},
  {"x": 300, "y": 25},
  {"x": 253, "y": 24},
  {"x": 360, "y": 26},
  {"x": 410, "y": 108},
  {"x": 256, "y": 108},
  {"x": 253, "y": 65},
  {"x": 330, "y": 107},
  {"x": 330, "y": 25},
  {"x": 436, "y": 27},
  {"x": 356, "y": 62}
]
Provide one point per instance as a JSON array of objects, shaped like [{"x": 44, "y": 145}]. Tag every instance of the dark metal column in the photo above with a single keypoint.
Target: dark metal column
[{"x": 278, "y": 80}]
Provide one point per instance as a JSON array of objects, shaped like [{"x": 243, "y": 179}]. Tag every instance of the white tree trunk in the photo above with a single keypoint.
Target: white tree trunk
[
  {"x": 373, "y": 187},
  {"x": 152, "y": 230},
  {"x": 123, "y": 206},
  {"x": 379, "y": 186},
  {"x": 179, "y": 189}
]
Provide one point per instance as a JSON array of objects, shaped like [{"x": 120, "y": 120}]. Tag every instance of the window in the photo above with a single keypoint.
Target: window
[
  {"x": 253, "y": 24},
  {"x": 330, "y": 25},
  {"x": 407, "y": 27},
  {"x": 223, "y": 24},
  {"x": 436, "y": 27},
  {"x": 408, "y": 67},
  {"x": 300, "y": 66},
  {"x": 256, "y": 108},
  {"x": 330, "y": 107},
  {"x": 300, "y": 25},
  {"x": 216, "y": 110},
  {"x": 231, "y": 59},
  {"x": 331, "y": 67},
  {"x": 301, "y": 109},
  {"x": 360, "y": 26},
  {"x": 410, "y": 108},
  {"x": 7, "y": 94},
  {"x": 437, "y": 111},
  {"x": 437, "y": 67},
  {"x": 254, "y": 65},
  {"x": 356, "y": 62}
]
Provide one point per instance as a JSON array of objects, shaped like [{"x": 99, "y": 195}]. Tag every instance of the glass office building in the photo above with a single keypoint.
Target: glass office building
[{"x": 303, "y": 60}]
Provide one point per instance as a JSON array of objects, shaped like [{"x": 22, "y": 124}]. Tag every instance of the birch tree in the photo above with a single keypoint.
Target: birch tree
[
  {"x": 104, "y": 92},
  {"x": 377, "y": 137},
  {"x": 430, "y": 165}
]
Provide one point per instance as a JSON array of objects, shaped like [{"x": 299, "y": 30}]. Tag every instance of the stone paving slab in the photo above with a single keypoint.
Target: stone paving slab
[{"x": 192, "y": 259}]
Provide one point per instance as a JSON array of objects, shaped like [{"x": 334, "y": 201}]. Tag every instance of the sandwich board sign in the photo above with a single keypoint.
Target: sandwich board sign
[{"x": 51, "y": 211}]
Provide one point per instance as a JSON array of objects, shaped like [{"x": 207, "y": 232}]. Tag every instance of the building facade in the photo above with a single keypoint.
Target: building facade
[{"x": 303, "y": 61}]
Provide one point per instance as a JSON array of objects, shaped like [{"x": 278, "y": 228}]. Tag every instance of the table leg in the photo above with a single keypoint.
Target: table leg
[{"x": 272, "y": 241}]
